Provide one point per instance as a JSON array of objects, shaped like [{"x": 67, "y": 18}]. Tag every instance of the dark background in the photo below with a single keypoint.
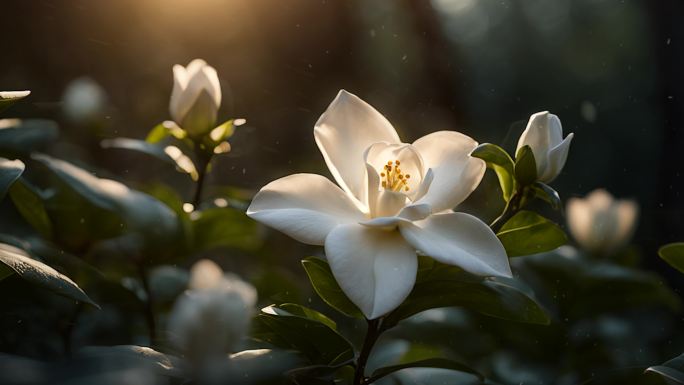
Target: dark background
[{"x": 612, "y": 71}]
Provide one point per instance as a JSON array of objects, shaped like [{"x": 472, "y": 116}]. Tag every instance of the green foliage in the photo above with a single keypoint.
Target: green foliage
[
  {"x": 440, "y": 363},
  {"x": 498, "y": 160},
  {"x": 547, "y": 194},
  {"x": 673, "y": 254},
  {"x": 529, "y": 233},
  {"x": 30, "y": 204},
  {"x": 224, "y": 227},
  {"x": 40, "y": 274},
  {"x": 326, "y": 287},
  {"x": 164, "y": 130},
  {"x": 168, "y": 154},
  {"x": 525, "y": 166},
  {"x": 23, "y": 136},
  {"x": 9, "y": 98},
  {"x": 440, "y": 285},
  {"x": 304, "y": 332},
  {"x": 10, "y": 170}
]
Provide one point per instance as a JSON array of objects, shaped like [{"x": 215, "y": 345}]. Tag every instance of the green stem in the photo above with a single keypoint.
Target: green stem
[
  {"x": 149, "y": 305},
  {"x": 372, "y": 334},
  {"x": 515, "y": 204},
  {"x": 204, "y": 162}
]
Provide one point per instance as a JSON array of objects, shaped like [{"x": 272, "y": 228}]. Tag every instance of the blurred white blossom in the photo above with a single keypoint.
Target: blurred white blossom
[
  {"x": 393, "y": 198},
  {"x": 196, "y": 97},
  {"x": 544, "y": 135},
  {"x": 213, "y": 315},
  {"x": 84, "y": 101},
  {"x": 601, "y": 224}
]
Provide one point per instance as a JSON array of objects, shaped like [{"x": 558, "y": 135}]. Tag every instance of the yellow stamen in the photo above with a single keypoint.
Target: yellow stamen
[{"x": 393, "y": 178}]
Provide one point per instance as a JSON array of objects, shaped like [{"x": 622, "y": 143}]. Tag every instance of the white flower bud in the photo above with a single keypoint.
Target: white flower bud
[
  {"x": 544, "y": 135},
  {"x": 196, "y": 97}
]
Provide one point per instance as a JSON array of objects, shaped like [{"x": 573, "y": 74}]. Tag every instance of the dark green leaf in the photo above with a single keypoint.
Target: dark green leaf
[
  {"x": 525, "y": 166},
  {"x": 498, "y": 160},
  {"x": 30, "y": 205},
  {"x": 261, "y": 366},
  {"x": 22, "y": 136},
  {"x": 163, "y": 363},
  {"x": 168, "y": 154},
  {"x": 440, "y": 363},
  {"x": 672, "y": 370},
  {"x": 440, "y": 285},
  {"x": 41, "y": 274},
  {"x": 224, "y": 227},
  {"x": 529, "y": 233},
  {"x": 10, "y": 170},
  {"x": 7, "y": 98},
  {"x": 547, "y": 194},
  {"x": 309, "y": 313},
  {"x": 314, "y": 339},
  {"x": 674, "y": 255},
  {"x": 326, "y": 287}
]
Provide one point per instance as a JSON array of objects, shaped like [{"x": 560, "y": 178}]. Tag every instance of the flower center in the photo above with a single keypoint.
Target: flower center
[{"x": 393, "y": 178}]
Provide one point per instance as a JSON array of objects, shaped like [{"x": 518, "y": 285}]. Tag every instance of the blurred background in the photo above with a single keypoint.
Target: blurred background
[{"x": 611, "y": 70}]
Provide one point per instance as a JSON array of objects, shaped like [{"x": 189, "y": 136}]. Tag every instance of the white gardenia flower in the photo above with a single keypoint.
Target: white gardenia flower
[
  {"x": 196, "y": 97},
  {"x": 84, "y": 100},
  {"x": 213, "y": 315},
  {"x": 600, "y": 223},
  {"x": 544, "y": 135},
  {"x": 393, "y": 198}
]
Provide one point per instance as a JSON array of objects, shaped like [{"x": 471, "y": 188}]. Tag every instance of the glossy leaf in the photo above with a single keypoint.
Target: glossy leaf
[
  {"x": 7, "y": 98},
  {"x": 497, "y": 159},
  {"x": 673, "y": 254},
  {"x": 529, "y": 233},
  {"x": 440, "y": 363},
  {"x": 525, "y": 166},
  {"x": 122, "y": 354},
  {"x": 672, "y": 370},
  {"x": 547, "y": 194},
  {"x": 40, "y": 274},
  {"x": 314, "y": 339},
  {"x": 10, "y": 170},
  {"x": 22, "y": 136},
  {"x": 440, "y": 285},
  {"x": 164, "y": 130},
  {"x": 31, "y": 206},
  {"x": 327, "y": 288},
  {"x": 306, "y": 312},
  {"x": 168, "y": 154}
]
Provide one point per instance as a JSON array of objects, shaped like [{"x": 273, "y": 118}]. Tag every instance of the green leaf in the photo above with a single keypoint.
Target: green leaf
[
  {"x": 497, "y": 159},
  {"x": 314, "y": 339},
  {"x": 673, "y": 254},
  {"x": 10, "y": 170},
  {"x": 672, "y": 370},
  {"x": 162, "y": 363},
  {"x": 224, "y": 227},
  {"x": 140, "y": 214},
  {"x": 31, "y": 206},
  {"x": 326, "y": 287},
  {"x": 525, "y": 166},
  {"x": 7, "y": 98},
  {"x": 441, "y": 285},
  {"x": 439, "y": 363},
  {"x": 164, "y": 130},
  {"x": 261, "y": 366},
  {"x": 167, "y": 154},
  {"x": 306, "y": 312},
  {"x": 529, "y": 233},
  {"x": 547, "y": 194},
  {"x": 222, "y": 132},
  {"x": 23, "y": 136},
  {"x": 40, "y": 274}
]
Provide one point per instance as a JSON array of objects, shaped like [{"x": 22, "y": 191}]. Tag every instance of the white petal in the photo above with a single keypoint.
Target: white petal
[
  {"x": 379, "y": 155},
  {"x": 543, "y": 132},
  {"x": 455, "y": 173},
  {"x": 304, "y": 206},
  {"x": 200, "y": 78},
  {"x": 344, "y": 131},
  {"x": 557, "y": 157},
  {"x": 459, "y": 239},
  {"x": 376, "y": 269},
  {"x": 580, "y": 219},
  {"x": 180, "y": 82},
  {"x": 626, "y": 212}
]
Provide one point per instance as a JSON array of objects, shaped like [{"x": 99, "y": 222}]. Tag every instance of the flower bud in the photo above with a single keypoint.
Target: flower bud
[
  {"x": 211, "y": 318},
  {"x": 195, "y": 98},
  {"x": 544, "y": 135},
  {"x": 601, "y": 224}
]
